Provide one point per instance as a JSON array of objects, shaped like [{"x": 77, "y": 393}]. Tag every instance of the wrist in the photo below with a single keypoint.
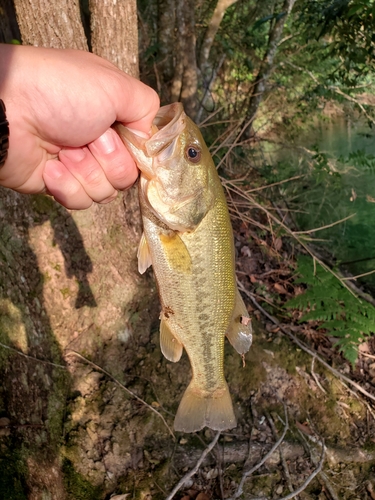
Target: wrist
[{"x": 4, "y": 134}]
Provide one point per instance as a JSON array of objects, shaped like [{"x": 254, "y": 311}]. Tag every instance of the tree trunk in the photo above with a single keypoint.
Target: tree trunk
[
  {"x": 8, "y": 23},
  {"x": 185, "y": 81},
  {"x": 167, "y": 41},
  {"x": 212, "y": 29},
  {"x": 69, "y": 281},
  {"x": 115, "y": 34},
  {"x": 265, "y": 69},
  {"x": 54, "y": 24}
]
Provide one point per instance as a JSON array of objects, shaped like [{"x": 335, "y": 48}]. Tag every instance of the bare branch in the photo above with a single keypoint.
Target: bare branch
[
  {"x": 20, "y": 353},
  {"x": 282, "y": 457},
  {"x": 246, "y": 474},
  {"x": 194, "y": 470},
  {"x": 212, "y": 29},
  {"x": 308, "y": 480},
  {"x": 326, "y": 227}
]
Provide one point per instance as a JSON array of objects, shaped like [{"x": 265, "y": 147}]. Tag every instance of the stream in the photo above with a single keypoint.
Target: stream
[{"x": 352, "y": 242}]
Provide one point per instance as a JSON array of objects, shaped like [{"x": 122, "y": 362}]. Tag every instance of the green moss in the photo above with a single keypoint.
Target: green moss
[
  {"x": 65, "y": 292},
  {"x": 77, "y": 487},
  {"x": 13, "y": 477},
  {"x": 42, "y": 204},
  {"x": 56, "y": 408}
]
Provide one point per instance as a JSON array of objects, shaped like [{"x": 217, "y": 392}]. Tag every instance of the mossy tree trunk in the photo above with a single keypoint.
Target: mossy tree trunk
[{"x": 69, "y": 281}]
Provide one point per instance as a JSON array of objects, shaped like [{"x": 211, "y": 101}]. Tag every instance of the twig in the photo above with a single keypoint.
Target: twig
[
  {"x": 304, "y": 347},
  {"x": 132, "y": 394},
  {"x": 246, "y": 474},
  {"x": 316, "y": 378},
  {"x": 322, "y": 475},
  {"x": 260, "y": 188},
  {"x": 361, "y": 400},
  {"x": 306, "y": 483},
  {"x": 194, "y": 470},
  {"x": 291, "y": 233},
  {"x": 358, "y": 276},
  {"x": 282, "y": 458},
  {"x": 371, "y": 356},
  {"x": 32, "y": 357},
  {"x": 325, "y": 227}
]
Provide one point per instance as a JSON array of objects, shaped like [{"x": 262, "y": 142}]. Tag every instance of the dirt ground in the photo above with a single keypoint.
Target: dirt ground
[{"x": 97, "y": 424}]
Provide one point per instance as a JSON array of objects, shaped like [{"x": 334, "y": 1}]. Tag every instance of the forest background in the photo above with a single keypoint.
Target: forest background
[{"x": 86, "y": 399}]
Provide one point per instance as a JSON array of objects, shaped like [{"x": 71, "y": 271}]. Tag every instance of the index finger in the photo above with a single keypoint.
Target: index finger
[{"x": 139, "y": 108}]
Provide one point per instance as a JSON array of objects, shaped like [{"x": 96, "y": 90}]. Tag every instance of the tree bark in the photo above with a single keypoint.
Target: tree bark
[
  {"x": 167, "y": 41},
  {"x": 54, "y": 24},
  {"x": 265, "y": 69},
  {"x": 8, "y": 23},
  {"x": 185, "y": 81},
  {"x": 212, "y": 29},
  {"x": 69, "y": 281},
  {"x": 115, "y": 33}
]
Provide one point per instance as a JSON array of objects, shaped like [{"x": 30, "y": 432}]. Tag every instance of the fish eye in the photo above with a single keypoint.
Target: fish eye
[{"x": 193, "y": 154}]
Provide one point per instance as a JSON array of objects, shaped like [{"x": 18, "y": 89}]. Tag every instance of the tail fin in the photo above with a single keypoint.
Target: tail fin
[{"x": 196, "y": 411}]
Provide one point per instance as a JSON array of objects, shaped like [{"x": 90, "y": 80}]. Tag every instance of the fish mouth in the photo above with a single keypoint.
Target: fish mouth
[{"x": 168, "y": 124}]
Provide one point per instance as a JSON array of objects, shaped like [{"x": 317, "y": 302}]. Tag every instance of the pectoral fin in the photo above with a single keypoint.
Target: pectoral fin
[
  {"x": 239, "y": 332},
  {"x": 175, "y": 250},
  {"x": 170, "y": 346},
  {"x": 144, "y": 256}
]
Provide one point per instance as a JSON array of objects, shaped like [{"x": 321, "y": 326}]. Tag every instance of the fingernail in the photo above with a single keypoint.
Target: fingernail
[
  {"x": 54, "y": 172},
  {"x": 76, "y": 154},
  {"x": 106, "y": 143}
]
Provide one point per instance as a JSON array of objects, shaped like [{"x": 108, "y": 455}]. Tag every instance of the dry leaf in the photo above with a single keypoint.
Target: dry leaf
[
  {"x": 305, "y": 429},
  {"x": 279, "y": 288},
  {"x": 245, "y": 250},
  {"x": 278, "y": 243},
  {"x": 203, "y": 496}
]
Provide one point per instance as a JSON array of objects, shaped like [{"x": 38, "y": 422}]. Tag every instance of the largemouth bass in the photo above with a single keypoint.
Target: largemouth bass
[{"x": 188, "y": 240}]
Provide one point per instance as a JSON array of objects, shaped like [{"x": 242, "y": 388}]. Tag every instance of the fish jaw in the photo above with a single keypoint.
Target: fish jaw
[{"x": 136, "y": 147}]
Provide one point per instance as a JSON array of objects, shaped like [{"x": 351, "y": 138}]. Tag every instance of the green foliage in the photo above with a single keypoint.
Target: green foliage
[
  {"x": 360, "y": 159},
  {"x": 347, "y": 26},
  {"x": 326, "y": 300}
]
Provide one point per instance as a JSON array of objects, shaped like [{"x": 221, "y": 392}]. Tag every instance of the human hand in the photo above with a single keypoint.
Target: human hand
[{"x": 60, "y": 107}]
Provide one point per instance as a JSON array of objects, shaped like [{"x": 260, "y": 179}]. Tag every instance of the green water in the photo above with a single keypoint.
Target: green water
[{"x": 352, "y": 242}]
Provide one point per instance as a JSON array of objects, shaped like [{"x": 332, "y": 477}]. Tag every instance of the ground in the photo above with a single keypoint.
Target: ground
[{"x": 85, "y": 415}]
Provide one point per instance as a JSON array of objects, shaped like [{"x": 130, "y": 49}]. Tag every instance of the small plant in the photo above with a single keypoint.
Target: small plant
[{"x": 326, "y": 299}]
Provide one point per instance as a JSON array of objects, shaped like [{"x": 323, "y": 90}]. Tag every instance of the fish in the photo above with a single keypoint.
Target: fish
[{"x": 188, "y": 239}]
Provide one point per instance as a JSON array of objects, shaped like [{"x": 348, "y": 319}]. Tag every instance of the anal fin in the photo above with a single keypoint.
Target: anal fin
[
  {"x": 169, "y": 345},
  {"x": 240, "y": 331}
]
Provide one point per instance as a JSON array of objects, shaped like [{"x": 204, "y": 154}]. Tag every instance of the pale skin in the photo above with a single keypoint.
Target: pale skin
[{"x": 60, "y": 105}]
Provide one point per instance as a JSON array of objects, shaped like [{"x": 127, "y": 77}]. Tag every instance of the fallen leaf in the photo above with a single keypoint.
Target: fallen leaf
[
  {"x": 305, "y": 429},
  {"x": 203, "y": 496},
  {"x": 279, "y": 288},
  {"x": 278, "y": 244},
  {"x": 245, "y": 250}
]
